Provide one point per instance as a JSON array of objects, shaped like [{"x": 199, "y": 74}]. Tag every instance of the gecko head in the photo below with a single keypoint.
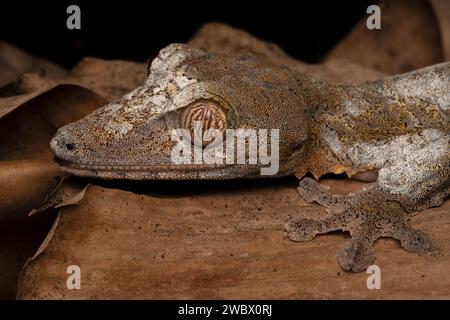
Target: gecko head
[{"x": 144, "y": 134}]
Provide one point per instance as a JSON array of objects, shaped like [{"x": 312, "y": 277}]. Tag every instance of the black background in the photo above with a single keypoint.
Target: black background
[
  {"x": 167, "y": 309},
  {"x": 136, "y": 30}
]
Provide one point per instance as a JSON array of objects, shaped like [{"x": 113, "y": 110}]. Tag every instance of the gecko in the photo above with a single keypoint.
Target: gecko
[{"x": 393, "y": 133}]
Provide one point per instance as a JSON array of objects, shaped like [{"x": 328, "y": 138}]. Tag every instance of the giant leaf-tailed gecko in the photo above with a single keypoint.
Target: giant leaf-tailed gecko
[{"x": 395, "y": 131}]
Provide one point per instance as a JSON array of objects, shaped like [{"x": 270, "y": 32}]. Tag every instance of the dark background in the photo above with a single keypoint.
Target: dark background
[{"x": 136, "y": 30}]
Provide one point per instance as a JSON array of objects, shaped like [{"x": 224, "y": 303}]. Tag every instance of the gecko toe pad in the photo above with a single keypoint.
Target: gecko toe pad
[
  {"x": 302, "y": 229},
  {"x": 357, "y": 255},
  {"x": 367, "y": 215},
  {"x": 416, "y": 241}
]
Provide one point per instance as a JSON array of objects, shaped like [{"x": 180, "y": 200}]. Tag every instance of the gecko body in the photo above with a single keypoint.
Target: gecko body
[{"x": 394, "y": 132}]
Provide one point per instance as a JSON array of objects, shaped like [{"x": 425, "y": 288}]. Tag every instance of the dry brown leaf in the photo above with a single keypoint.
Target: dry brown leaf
[
  {"x": 65, "y": 103},
  {"x": 24, "y": 185},
  {"x": 31, "y": 109},
  {"x": 223, "y": 39},
  {"x": 18, "y": 241},
  {"x": 15, "y": 62},
  {"x": 109, "y": 78},
  {"x": 66, "y": 193},
  {"x": 33, "y": 86},
  {"x": 23, "y": 90},
  {"x": 25, "y": 135},
  {"x": 220, "y": 244},
  {"x": 442, "y": 12},
  {"x": 408, "y": 39},
  {"x": 30, "y": 118}
]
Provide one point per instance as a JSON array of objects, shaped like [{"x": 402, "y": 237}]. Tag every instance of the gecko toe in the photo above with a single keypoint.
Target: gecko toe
[
  {"x": 367, "y": 215},
  {"x": 312, "y": 191},
  {"x": 416, "y": 241},
  {"x": 357, "y": 255},
  {"x": 302, "y": 229}
]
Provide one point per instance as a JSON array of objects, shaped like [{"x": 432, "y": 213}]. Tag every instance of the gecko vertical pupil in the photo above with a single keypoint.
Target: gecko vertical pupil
[{"x": 201, "y": 116}]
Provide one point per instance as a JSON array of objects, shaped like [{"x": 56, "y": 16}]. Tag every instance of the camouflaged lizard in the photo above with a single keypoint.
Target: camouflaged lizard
[{"x": 394, "y": 131}]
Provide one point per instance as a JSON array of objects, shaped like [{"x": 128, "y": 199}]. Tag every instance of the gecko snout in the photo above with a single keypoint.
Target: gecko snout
[{"x": 62, "y": 146}]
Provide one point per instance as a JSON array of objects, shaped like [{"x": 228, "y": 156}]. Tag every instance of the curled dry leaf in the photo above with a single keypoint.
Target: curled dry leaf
[
  {"x": 15, "y": 94},
  {"x": 66, "y": 193},
  {"x": 15, "y": 62},
  {"x": 18, "y": 241},
  {"x": 223, "y": 39},
  {"x": 24, "y": 185},
  {"x": 32, "y": 108},
  {"x": 409, "y": 39},
  {"x": 442, "y": 12},
  {"x": 109, "y": 78},
  {"x": 50, "y": 94},
  {"x": 218, "y": 245},
  {"x": 26, "y": 132},
  {"x": 30, "y": 119},
  {"x": 25, "y": 135},
  {"x": 65, "y": 103}
]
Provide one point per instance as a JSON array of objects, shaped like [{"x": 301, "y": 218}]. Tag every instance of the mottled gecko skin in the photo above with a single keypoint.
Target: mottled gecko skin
[{"x": 398, "y": 126}]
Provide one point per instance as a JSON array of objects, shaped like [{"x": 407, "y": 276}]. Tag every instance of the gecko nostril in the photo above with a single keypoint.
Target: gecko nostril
[{"x": 70, "y": 146}]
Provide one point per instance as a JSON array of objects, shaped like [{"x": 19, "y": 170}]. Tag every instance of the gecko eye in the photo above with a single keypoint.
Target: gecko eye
[{"x": 201, "y": 116}]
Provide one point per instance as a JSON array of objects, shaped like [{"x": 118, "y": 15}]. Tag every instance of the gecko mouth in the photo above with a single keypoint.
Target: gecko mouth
[
  {"x": 189, "y": 167},
  {"x": 142, "y": 172}
]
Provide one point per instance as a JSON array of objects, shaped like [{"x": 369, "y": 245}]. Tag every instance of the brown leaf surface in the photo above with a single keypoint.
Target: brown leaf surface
[
  {"x": 109, "y": 78},
  {"x": 15, "y": 62},
  {"x": 25, "y": 185},
  {"x": 66, "y": 193},
  {"x": 442, "y": 12},
  {"x": 220, "y": 241},
  {"x": 26, "y": 132},
  {"x": 32, "y": 108},
  {"x": 25, "y": 135},
  {"x": 16, "y": 93},
  {"x": 18, "y": 241},
  {"x": 409, "y": 39},
  {"x": 223, "y": 39}
]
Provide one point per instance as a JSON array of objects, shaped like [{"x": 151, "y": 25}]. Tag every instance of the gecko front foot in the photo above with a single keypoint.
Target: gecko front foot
[{"x": 367, "y": 215}]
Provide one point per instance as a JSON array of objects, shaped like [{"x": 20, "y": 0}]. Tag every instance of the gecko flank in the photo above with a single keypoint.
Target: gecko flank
[{"x": 394, "y": 131}]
